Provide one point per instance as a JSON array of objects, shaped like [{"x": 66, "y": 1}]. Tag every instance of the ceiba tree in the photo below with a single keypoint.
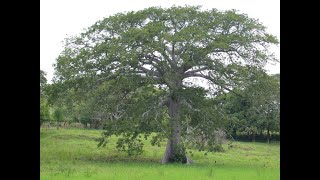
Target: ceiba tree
[{"x": 145, "y": 61}]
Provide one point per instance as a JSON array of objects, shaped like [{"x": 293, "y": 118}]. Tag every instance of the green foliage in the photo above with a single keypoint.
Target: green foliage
[
  {"x": 255, "y": 108},
  {"x": 132, "y": 146},
  {"x": 44, "y": 110},
  {"x": 85, "y": 120},
  {"x": 43, "y": 79},
  {"x": 44, "y": 105},
  {"x": 126, "y": 69},
  {"x": 58, "y": 114}
]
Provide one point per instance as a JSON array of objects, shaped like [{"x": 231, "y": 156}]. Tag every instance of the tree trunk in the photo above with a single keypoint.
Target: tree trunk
[
  {"x": 234, "y": 133},
  {"x": 253, "y": 137},
  {"x": 95, "y": 124},
  {"x": 174, "y": 150},
  {"x": 65, "y": 125},
  {"x": 268, "y": 135}
]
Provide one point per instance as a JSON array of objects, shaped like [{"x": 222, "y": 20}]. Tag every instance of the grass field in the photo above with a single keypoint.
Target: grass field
[{"x": 73, "y": 154}]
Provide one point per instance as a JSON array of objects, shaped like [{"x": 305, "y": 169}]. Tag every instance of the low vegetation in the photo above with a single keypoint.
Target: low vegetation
[{"x": 73, "y": 154}]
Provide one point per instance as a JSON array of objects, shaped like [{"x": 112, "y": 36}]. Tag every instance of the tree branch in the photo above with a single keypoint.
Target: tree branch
[
  {"x": 210, "y": 79},
  {"x": 154, "y": 61},
  {"x": 167, "y": 49},
  {"x": 150, "y": 72},
  {"x": 181, "y": 50},
  {"x": 152, "y": 58},
  {"x": 171, "y": 61},
  {"x": 197, "y": 70}
]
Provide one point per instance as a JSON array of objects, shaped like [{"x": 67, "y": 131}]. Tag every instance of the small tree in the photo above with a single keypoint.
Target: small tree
[
  {"x": 44, "y": 106},
  {"x": 58, "y": 116},
  {"x": 44, "y": 111}
]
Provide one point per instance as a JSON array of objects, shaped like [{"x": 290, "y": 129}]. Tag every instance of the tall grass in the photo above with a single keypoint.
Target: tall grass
[{"x": 73, "y": 154}]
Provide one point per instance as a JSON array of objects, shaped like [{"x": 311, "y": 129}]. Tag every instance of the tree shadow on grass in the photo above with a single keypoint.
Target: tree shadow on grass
[{"x": 120, "y": 159}]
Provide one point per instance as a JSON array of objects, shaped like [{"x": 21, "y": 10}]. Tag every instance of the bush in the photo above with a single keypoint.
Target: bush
[
  {"x": 258, "y": 137},
  {"x": 85, "y": 120}
]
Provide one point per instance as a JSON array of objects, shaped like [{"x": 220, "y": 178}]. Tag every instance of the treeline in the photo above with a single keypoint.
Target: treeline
[
  {"x": 254, "y": 111},
  {"x": 250, "y": 113}
]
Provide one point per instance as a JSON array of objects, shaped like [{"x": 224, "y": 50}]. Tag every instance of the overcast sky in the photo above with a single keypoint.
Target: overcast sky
[{"x": 61, "y": 18}]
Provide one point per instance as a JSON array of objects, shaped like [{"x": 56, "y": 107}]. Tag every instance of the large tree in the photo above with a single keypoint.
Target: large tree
[{"x": 146, "y": 62}]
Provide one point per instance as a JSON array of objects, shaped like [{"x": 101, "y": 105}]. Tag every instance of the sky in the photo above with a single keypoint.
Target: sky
[{"x": 60, "y": 19}]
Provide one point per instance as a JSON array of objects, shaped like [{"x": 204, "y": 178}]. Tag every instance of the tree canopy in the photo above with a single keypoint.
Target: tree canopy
[
  {"x": 44, "y": 108},
  {"x": 142, "y": 70},
  {"x": 254, "y": 108}
]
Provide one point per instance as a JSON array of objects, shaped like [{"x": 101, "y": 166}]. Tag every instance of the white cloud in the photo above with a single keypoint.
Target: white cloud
[{"x": 61, "y": 18}]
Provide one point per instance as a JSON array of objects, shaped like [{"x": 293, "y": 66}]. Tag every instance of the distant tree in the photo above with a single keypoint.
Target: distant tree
[
  {"x": 44, "y": 111},
  {"x": 145, "y": 62},
  {"x": 265, "y": 103},
  {"x": 44, "y": 107},
  {"x": 58, "y": 116},
  {"x": 43, "y": 79},
  {"x": 256, "y": 107}
]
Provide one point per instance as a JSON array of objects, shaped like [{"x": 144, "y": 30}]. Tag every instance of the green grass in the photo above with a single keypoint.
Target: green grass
[{"x": 73, "y": 154}]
